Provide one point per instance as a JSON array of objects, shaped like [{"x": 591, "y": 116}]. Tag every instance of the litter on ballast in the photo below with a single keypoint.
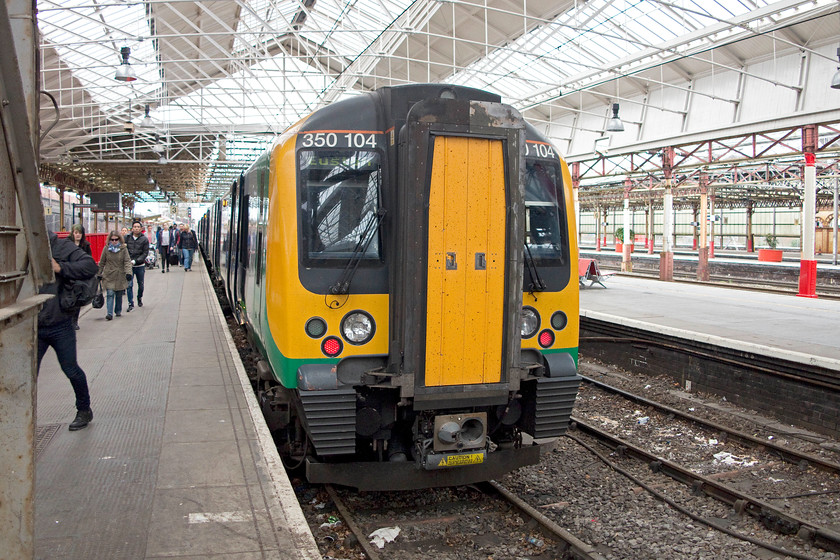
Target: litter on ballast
[
  {"x": 383, "y": 535},
  {"x": 729, "y": 459}
]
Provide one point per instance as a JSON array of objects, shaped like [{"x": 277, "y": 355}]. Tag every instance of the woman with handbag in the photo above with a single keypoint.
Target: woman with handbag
[{"x": 115, "y": 273}]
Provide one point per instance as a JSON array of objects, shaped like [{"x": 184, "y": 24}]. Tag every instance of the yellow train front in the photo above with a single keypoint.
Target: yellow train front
[{"x": 403, "y": 260}]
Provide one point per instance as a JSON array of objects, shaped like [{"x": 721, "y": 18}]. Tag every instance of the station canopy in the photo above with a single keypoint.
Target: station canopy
[{"x": 219, "y": 80}]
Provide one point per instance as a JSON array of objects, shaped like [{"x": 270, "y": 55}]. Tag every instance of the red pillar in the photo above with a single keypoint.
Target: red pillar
[{"x": 808, "y": 263}]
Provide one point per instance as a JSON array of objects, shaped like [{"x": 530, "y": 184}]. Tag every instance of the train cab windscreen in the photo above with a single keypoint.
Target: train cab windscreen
[
  {"x": 545, "y": 225},
  {"x": 339, "y": 202}
]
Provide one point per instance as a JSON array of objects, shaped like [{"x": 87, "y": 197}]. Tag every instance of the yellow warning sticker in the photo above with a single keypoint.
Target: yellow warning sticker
[{"x": 461, "y": 460}]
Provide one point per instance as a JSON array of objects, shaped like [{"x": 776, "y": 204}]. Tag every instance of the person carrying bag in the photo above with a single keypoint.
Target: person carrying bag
[{"x": 115, "y": 273}]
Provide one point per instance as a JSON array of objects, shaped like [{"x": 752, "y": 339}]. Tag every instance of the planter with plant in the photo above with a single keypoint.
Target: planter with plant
[
  {"x": 619, "y": 240},
  {"x": 771, "y": 254}
]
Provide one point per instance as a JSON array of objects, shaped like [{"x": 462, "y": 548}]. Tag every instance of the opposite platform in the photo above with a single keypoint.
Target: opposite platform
[
  {"x": 798, "y": 329},
  {"x": 177, "y": 462}
]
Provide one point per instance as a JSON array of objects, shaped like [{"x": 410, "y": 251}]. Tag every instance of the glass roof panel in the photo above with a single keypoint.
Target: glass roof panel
[
  {"x": 598, "y": 33},
  {"x": 88, "y": 38}
]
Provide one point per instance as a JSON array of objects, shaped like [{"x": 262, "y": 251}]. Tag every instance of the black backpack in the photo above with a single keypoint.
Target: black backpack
[{"x": 73, "y": 294}]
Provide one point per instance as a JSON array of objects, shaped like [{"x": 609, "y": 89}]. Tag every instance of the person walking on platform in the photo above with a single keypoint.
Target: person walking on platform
[
  {"x": 77, "y": 234},
  {"x": 178, "y": 229},
  {"x": 55, "y": 326},
  {"x": 188, "y": 243},
  {"x": 164, "y": 242},
  {"x": 138, "y": 248},
  {"x": 115, "y": 272}
]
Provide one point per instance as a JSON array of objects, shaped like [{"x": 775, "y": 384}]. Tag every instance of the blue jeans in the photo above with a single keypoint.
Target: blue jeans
[
  {"x": 188, "y": 255},
  {"x": 140, "y": 273},
  {"x": 110, "y": 307},
  {"x": 62, "y": 337}
]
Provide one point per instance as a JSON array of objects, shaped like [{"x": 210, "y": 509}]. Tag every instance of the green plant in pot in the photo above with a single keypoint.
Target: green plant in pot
[
  {"x": 619, "y": 235},
  {"x": 771, "y": 240}
]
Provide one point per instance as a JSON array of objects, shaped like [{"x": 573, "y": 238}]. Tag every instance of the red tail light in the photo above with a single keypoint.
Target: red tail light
[
  {"x": 332, "y": 346},
  {"x": 546, "y": 338}
]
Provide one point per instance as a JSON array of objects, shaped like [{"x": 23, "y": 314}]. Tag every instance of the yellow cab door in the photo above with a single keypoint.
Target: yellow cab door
[{"x": 466, "y": 262}]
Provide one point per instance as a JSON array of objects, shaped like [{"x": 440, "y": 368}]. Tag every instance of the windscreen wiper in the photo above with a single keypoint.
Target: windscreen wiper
[
  {"x": 537, "y": 284},
  {"x": 343, "y": 285}
]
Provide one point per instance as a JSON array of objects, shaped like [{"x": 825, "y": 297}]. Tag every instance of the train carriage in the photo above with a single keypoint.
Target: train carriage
[{"x": 402, "y": 260}]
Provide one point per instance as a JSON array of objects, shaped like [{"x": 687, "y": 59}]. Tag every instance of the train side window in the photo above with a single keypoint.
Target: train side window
[{"x": 339, "y": 200}]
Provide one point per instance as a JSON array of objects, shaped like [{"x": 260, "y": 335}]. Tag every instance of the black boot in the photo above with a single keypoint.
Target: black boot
[
  {"x": 83, "y": 418},
  {"x": 139, "y": 302}
]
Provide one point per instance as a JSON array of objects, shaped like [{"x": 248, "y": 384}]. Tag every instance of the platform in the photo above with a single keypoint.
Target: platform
[
  {"x": 796, "y": 328},
  {"x": 177, "y": 462}
]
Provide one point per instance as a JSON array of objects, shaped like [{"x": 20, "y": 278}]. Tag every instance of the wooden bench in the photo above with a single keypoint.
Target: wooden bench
[{"x": 588, "y": 270}]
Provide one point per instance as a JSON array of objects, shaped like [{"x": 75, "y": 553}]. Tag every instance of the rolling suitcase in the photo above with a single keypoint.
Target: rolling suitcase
[{"x": 173, "y": 259}]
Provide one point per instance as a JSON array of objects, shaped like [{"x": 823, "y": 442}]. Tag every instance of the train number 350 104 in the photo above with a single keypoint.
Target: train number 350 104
[{"x": 338, "y": 140}]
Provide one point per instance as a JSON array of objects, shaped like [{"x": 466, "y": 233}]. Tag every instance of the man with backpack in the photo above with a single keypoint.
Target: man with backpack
[{"x": 55, "y": 322}]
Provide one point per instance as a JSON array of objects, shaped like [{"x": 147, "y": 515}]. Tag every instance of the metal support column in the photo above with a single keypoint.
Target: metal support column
[
  {"x": 834, "y": 221},
  {"x": 627, "y": 241},
  {"x": 703, "y": 249},
  {"x": 598, "y": 228},
  {"x": 666, "y": 257},
  {"x": 808, "y": 263},
  {"x": 18, "y": 284},
  {"x": 575, "y": 197}
]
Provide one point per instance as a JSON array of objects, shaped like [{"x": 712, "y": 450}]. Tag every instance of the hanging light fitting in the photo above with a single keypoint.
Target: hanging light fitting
[
  {"x": 125, "y": 73},
  {"x": 615, "y": 124},
  {"x": 147, "y": 120}
]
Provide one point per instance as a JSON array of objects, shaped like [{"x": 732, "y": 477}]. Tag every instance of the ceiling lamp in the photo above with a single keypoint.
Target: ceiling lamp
[
  {"x": 149, "y": 179},
  {"x": 835, "y": 81},
  {"x": 147, "y": 120},
  {"x": 159, "y": 147},
  {"x": 125, "y": 73},
  {"x": 615, "y": 124}
]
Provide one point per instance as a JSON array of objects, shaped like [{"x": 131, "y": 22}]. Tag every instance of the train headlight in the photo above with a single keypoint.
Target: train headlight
[
  {"x": 529, "y": 322},
  {"x": 357, "y": 327}
]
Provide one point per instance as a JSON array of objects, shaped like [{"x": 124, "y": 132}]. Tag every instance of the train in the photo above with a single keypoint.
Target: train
[{"x": 402, "y": 261}]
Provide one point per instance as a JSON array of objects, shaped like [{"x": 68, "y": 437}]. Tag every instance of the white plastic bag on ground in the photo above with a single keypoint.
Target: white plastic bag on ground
[{"x": 383, "y": 535}]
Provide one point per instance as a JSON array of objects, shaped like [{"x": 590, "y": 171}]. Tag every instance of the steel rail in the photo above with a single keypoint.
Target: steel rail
[
  {"x": 369, "y": 550},
  {"x": 770, "y": 516},
  {"x": 577, "y": 547},
  {"x": 789, "y": 455}
]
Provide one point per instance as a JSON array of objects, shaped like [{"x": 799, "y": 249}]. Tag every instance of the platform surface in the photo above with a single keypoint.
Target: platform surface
[
  {"x": 793, "y": 326},
  {"x": 176, "y": 463}
]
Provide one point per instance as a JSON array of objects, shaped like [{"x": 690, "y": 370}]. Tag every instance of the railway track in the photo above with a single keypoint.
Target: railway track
[
  {"x": 667, "y": 430},
  {"x": 769, "y": 515},
  {"x": 786, "y": 453},
  {"x": 478, "y": 521}
]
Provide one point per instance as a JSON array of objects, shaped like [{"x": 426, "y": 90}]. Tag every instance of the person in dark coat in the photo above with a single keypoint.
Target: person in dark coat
[
  {"x": 165, "y": 240},
  {"x": 138, "y": 248},
  {"x": 77, "y": 234},
  {"x": 188, "y": 243},
  {"x": 115, "y": 272},
  {"x": 55, "y": 326}
]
